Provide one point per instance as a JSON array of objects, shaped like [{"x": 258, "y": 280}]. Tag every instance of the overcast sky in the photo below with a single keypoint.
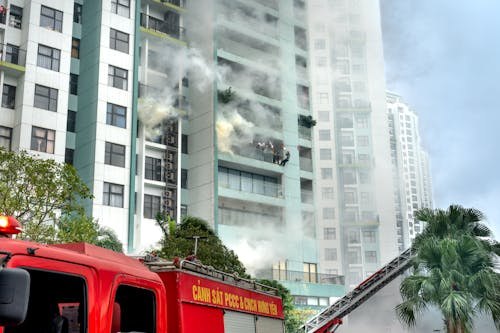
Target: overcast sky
[{"x": 443, "y": 58}]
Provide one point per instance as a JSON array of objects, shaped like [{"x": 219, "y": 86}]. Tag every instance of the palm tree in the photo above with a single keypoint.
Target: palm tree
[{"x": 453, "y": 270}]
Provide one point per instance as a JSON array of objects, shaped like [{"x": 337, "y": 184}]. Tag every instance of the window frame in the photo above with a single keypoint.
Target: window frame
[
  {"x": 111, "y": 197},
  {"x": 152, "y": 206},
  {"x": 120, "y": 7},
  {"x": 114, "y": 117},
  {"x": 49, "y": 98},
  {"x": 114, "y": 154},
  {"x": 117, "y": 38},
  {"x": 48, "y": 141},
  {"x": 51, "y": 59},
  {"x": 51, "y": 16},
  {"x": 117, "y": 75},
  {"x": 9, "y": 98}
]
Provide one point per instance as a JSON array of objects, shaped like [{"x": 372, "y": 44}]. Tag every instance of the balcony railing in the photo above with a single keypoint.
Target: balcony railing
[
  {"x": 155, "y": 24},
  {"x": 266, "y": 189},
  {"x": 306, "y": 196},
  {"x": 297, "y": 276},
  {"x": 306, "y": 164},
  {"x": 178, "y": 3},
  {"x": 12, "y": 54},
  {"x": 305, "y": 133}
]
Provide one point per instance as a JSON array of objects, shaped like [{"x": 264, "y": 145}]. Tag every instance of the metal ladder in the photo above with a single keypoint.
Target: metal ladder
[{"x": 330, "y": 318}]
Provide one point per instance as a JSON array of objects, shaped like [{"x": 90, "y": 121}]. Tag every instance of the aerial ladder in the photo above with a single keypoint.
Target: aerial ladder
[{"x": 330, "y": 318}]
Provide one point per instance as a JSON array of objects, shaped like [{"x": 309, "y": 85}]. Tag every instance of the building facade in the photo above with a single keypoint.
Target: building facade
[
  {"x": 178, "y": 107},
  {"x": 413, "y": 187},
  {"x": 357, "y": 226}
]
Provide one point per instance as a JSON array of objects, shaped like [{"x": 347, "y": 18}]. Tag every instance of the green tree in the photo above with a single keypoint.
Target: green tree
[
  {"x": 453, "y": 270},
  {"x": 211, "y": 251},
  {"x": 35, "y": 191},
  {"x": 82, "y": 228}
]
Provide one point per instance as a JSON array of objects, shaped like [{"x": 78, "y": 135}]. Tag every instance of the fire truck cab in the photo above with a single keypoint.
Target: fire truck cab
[{"x": 82, "y": 288}]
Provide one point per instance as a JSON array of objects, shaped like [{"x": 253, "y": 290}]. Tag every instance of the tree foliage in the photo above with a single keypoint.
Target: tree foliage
[
  {"x": 36, "y": 191},
  {"x": 453, "y": 270},
  {"x": 211, "y": 251}
]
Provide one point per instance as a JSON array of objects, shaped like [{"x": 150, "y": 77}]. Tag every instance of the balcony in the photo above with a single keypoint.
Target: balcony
[
  {"x": 161, "y": 28},
  {"x": 306, "y": 196},
  {"x": 266, "y": 188},
  {"x": 305, "y": 133},
  {"x": 297, "y": 276},
  {"x": 12, "y": 59},
  {"x": 173, "y": 3}
]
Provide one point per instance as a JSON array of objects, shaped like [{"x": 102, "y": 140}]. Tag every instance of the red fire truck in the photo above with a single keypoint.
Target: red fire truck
[{"x": 81, "y": 288}]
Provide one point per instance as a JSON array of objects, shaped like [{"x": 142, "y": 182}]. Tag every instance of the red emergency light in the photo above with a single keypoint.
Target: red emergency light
[{"x": 9, "y": 225}]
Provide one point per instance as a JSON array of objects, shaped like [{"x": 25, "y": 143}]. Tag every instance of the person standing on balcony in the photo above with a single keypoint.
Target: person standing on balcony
[{"x": 287, "y": 157}]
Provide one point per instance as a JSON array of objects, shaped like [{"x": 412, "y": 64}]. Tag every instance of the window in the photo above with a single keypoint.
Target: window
[
  {"x": 73, "y": 84},
  {"x": 323, "y": 98},
  {"x": 319, "y": 44},
  {"x": 48, "y": 299},
  {"x": 114, "y": 154},
  {"x": 327, "y": 193},
  {"x": 369, "y": 236},
  {"x": 329, "y": 233},
  {"x": 362, "y": 121},
  {"x": 9, "y": 96},
  {"x": 151, "y": 206},
  {"x": 16, "y": 16},
  {"x": 324, "y": 115},
  {"x": 350, "y": 197},
  {"x": 354, "y": 256},
  {"x": 363, "y": 141},
  {"x": 325, "y": 154},
  {"x": 330, "y": 254},
  {"x": 75, "y": 48},
  {"x": 326, "y": 173},
  {"x": 152, "y": 169},
  {"x": 6, "y": 138},
  {"x": 118, "y": 40},
  {"x": 43, "y": 140},
  {"x": 51, "y": 18},
  {"x": 48, "y": 57},
  {"x": 113, "y": 195},
  {"x": 121, "y": 7},
  {"x": 116, "y": 115},
  {"x": 324, "y": 135},
  {"x": 184, "y": 178},
  {"x": 184, "y": 144},
  {"x": 328, "y": 213},
  {"x": 45, "y": 98},
  {"x": 371, "y": 257},
  {"x": 77, "y": 13},
  {"x": 117, "y": 77},
  {"x": 69, "y": 156},
  {"x": 365, "y": 198},
  {"x": 12, "y": 54},
  {"x": 71, "y": 121},
  {"x": 353, "y": 237},
  {"x": 310, "y": 271}
]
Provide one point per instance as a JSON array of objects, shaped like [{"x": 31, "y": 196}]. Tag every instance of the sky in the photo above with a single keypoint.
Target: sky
[{"x": 443, "y": 58}]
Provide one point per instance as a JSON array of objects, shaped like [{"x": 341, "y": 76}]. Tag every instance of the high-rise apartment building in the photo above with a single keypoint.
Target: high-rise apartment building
[
  {"x": 354, "y": 199},
  {"x": 413, "y": 189},
  {"x": 182, "y": 107}
]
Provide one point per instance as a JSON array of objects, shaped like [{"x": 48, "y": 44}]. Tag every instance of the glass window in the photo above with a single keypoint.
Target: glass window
[
  {"x": 353, "y": 237},
  {"x": 350, "y": 197},
  {"x": 329, "y": 233},
  {"x": 12, "y": 54},
  {"x": 75, "y": 48},
  {"x": 121, "y": 7},
  {"x": 310, "y": 272},
  {"x": 73, "y": 84},
  {"x": 77, "y": 13},
  {"x": 323, "y": 98},
  {"x": 330, "y": 254},
  {"x": 184, "y": 178},
  {"x": 319, "y": 44},
  {"x": 326, "y": 173},
  {"x": 324, "y": 135},
  {"x": 369, "y": 236},
  {"x": 69, "y": 156},
  {"x": 9, "y": 96},
  {"x": 6, "y": 138},
  {"x": 328, "y": 213},
  {"x": 16, "y": 16},
  {"x": 152, "y": 169},
  {"x": 71, "y": 121},
  {"x": 43, "y": 140},
  {"x": 363, "y": 141},
  {"x": 371, "y": 257},
  {"x": 114, "y": 154},
  {"x": 48, "y": 57},
  {"x": 116, "y": 115},
  {"x": 324, "y": 115},
  {"x": 151, "y": 206},
  {"x": 117, "y": 77},
  {"x": 118, "y": 41},
  {"x": 45, "y": 98},
  {"x": 327, "y": 193},
  {"x": 51, "y": 18},
  {"x": 136, "y": 307},
  {"x": 325, "y": 154},
  {"x": 354, "y": 256},
  {"x": 113, "y": 195}
]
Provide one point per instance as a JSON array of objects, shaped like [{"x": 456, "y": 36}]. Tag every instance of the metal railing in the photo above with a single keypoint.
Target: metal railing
[
  {"x": 178, "y": 3},
  {"x": 155, "y": 24},
  {"x": 12, "y": 54},
  {"x": 297, "y": 276},
  {"x": 267, "y": 189}
]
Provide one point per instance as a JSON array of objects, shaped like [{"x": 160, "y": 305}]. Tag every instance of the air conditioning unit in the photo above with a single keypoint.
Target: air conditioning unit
[
  {"x": 170, "y": 165},
  {"x": 169, "y": 193}
]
